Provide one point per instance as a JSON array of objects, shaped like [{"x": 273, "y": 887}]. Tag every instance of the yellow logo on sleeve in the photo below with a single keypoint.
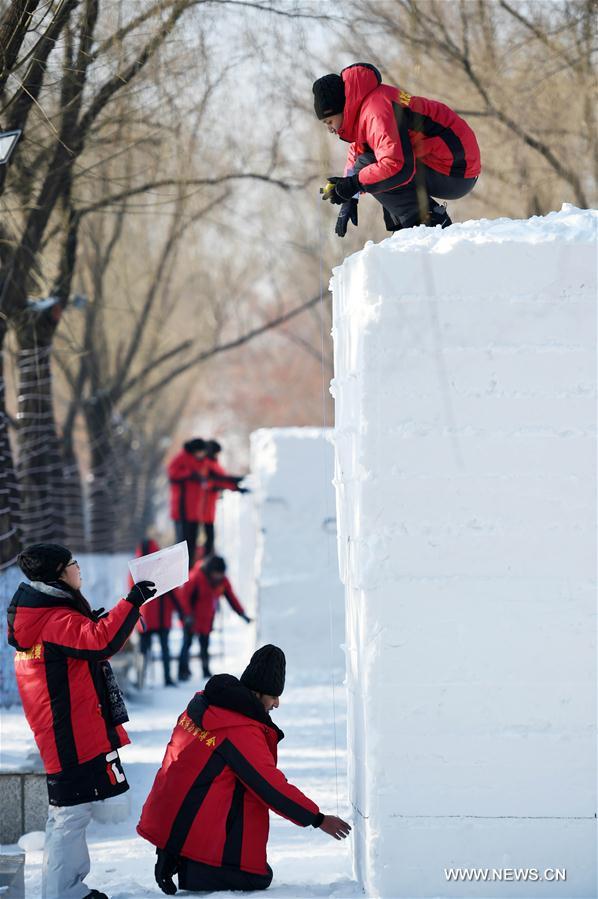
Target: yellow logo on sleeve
[
  {"x": 195, "y": 731},
  {"x": 36, "y": 653}
]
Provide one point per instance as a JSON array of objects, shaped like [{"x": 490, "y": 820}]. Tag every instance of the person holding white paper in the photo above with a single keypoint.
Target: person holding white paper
[{"x": 72, "y": 702}]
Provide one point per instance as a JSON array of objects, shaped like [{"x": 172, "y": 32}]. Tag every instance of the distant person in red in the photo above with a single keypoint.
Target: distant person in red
[
  {"x": 404, "y": 150},
  {"x": 156, "y": 618},
  {"x": 200, "y": 596},
  {"x": 186, "y": 475},
  {"x": 72, "y": 702},
  {"x": 208, "y": 810},
  {"x": 217, "y": 480}
]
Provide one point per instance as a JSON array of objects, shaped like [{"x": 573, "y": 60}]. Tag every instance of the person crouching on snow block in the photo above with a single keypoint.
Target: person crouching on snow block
[
  {"x": 71, "y": 701},
  {"x": 404, "y": 150},
  {"x": 208, "y": 810}
]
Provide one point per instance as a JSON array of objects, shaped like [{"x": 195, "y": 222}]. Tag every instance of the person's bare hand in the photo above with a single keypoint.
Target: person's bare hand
[{"x": 335, "y": 827}]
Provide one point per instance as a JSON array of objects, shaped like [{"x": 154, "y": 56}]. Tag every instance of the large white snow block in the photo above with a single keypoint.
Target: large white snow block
[
  {"x": 236, "y": 532},
  {"x": 300, "y": 595},
  {"x": 465, "y": 477}
]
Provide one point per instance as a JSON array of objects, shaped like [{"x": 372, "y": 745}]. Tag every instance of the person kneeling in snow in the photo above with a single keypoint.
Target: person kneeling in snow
[
  {"x": 404, "y": 150},
  {"x": 71, "y": 701},
  {"x": 207, "y": 812}
]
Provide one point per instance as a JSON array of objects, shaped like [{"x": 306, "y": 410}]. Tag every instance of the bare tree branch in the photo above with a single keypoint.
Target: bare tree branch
[{"x": 215, "y": 351}]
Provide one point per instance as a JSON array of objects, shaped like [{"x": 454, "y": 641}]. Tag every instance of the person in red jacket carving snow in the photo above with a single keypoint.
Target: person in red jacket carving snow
[
  {"x": 200, "y": 597},
  {"x": 208, "y": 810},
  {"x": 71, "y": 701},
  {"x": 404, "y": 150},
  {"x": 186, "y": 473}
]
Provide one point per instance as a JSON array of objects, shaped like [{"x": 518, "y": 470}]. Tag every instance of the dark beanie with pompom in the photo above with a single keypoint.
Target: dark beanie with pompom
[
  {"x": 44, "y": 561},
  {"x": 266, "y": 671},
  {"x": 329, "y": 95}
]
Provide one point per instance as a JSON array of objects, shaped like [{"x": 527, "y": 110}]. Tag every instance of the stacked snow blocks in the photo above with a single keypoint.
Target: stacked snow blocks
[
  {"x": 300, "y": 595},
  {"x": 465, "y": 478}
]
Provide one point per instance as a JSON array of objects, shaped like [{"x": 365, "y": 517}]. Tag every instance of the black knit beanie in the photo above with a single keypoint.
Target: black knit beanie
[
  {"x": 213, "y": 448},
  {"x": 44, "y": 561},
  {"x": 266, "y": 671},
  {"x": 329, "y": 95},
  {"x": 215, "y": 565},
  {"x": 194, "y": 445}
]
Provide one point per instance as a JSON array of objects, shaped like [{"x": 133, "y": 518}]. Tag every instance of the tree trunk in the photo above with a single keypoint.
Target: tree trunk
[
  {"x": 10, "y": 532},
  {"x": 105, "y": 489},
  {"x": 73, "y": 502},
  {"x": 40, "y": 469}
]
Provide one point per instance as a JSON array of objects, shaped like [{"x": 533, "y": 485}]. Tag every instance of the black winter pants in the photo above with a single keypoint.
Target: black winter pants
[
  {"x": 204, "y": 643},
  {"x": 188, "y": 531},
  {"x": 409, "y": 205},
  {"x": 145, "y": 644},
  {"x": 199, "y": 877},
  {"x": 208, "y": 545}
]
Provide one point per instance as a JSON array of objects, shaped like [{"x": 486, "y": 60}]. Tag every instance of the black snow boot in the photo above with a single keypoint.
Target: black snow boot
[
  {"x": 438, "y": 215},
  {"x": 392, "y": 224},
  {"x": 95, "y": 894}
]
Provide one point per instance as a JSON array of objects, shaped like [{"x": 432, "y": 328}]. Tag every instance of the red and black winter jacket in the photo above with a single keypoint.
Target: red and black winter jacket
[
  {"x": 199, "y": 599},
  {"x": 156, "y": 615},
  {"x": 401, "y": 129},
  {"x": 187, "y": 479},
  {"x": 194, "y": 487},
  {"x": 218, "y": 779},
  {"x": 59, "y": 674}
]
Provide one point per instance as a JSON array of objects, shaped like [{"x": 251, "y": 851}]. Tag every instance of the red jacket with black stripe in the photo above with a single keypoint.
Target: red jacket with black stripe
[
  {"x": 218, "y": 780},
  {"x": 401, "y": 130},
  {"x": 199, "y": 599},
  {"x": 57, "y": 664}
]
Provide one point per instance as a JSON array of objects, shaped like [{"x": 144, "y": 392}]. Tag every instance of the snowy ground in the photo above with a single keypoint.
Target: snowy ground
[{"x": 306, "y": 862}]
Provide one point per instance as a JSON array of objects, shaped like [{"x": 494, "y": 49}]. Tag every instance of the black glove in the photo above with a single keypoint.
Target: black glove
[
  {"x": 166, "y": 866},
  {"x": 141, "y": 592},
  {"x": 344, "y": 189},
  {"x": 348, "y": 213}
]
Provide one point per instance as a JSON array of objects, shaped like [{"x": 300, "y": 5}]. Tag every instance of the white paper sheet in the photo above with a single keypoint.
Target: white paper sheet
[{"x": 167, "y": 568}]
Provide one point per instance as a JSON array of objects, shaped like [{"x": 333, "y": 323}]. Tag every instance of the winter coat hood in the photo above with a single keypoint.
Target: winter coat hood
[
  {"x": 226, "y": 702},
  {"x": 360, "y": 80},
  {"x": 35, "y": 602}
]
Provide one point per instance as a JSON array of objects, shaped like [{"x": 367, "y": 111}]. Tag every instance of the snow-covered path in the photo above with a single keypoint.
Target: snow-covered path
[{"x": 306, "y": 862}]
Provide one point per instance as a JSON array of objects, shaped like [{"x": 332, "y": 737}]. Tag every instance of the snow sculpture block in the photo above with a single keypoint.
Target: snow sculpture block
[
  {"x": 465, "y": 478},
  {"x": 236, "y": 531},
  {"x": 300, "y": 596}
]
